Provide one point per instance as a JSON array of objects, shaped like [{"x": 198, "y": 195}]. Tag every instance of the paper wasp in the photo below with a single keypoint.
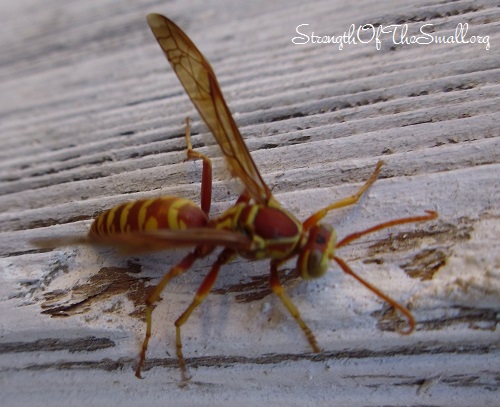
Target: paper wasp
[{"x": 256, "y": 227}]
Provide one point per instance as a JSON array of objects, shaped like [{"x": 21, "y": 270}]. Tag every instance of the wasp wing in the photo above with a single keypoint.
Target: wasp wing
[
  {"x": 146, "y": 242},
  {"x": 199, "y": 81}
]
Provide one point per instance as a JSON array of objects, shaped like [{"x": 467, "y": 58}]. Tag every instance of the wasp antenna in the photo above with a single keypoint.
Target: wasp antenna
[
  {"x": 353, "y": 236},
  {"x": 393, "y": 303}
]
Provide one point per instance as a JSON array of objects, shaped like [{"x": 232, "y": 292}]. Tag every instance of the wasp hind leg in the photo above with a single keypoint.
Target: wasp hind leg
[
  {"x": 206, "y": 176},
  {"x": 175, "y": 271},
  {"x": 205, "y": 287}
]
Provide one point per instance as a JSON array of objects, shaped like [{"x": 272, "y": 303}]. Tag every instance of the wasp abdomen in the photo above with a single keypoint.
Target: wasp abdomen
[{"x": 166, "y": 212}]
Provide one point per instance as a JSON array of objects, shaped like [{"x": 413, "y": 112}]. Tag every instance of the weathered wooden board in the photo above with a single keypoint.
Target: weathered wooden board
[{"x": 91, "y": 115}]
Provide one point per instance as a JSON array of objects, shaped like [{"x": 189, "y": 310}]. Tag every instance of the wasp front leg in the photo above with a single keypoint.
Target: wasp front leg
[
  {"x": 350, "y": 200},
  {"x": 206, "y": 176},
  {"x": 279, "y": 290}
]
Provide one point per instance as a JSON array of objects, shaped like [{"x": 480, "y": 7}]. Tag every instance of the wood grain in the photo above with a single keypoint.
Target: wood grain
[{"x": 91, "y": 115}]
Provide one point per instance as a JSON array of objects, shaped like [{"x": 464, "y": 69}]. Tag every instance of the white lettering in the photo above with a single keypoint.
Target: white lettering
[
  {"x": 398, "y": 33},
  {"x": 426, "y": 38},
  {"x": 303, "y": 39}
]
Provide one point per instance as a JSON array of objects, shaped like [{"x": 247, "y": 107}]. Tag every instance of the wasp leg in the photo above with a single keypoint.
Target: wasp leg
[
  {"x": 178, "y": 269},
  {"x": 316, "y": 217},
  {"x": 280, "y": 292},
  {"x": 243, "y": 198},
  {"x": 205, "y": 287},
  {"x": 206, "y": 175}
]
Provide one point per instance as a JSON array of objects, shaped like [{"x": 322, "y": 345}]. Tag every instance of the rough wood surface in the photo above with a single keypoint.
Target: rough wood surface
[{"x": 91, "y": 115}]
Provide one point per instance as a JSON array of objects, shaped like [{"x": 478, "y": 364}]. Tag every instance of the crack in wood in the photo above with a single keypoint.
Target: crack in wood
[
  {"x": 107, "y": 283},
  {"x": 425, "y": 264},
  {"x": 86, "y": 344},
  {"x": 482, "y": 319},
  {"x": 274, "y": 358}
]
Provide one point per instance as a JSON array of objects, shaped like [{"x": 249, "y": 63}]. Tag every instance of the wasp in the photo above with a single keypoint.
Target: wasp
[{"x": 255, "y": 227}]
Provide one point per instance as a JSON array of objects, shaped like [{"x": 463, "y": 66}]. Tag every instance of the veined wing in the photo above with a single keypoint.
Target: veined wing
[
  {"x": 146, "y": 242},
  {"x": 200, "y": 83}
]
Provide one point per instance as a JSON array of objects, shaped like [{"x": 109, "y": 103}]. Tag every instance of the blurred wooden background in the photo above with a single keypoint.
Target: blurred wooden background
[{"x": 91, "y": 115}]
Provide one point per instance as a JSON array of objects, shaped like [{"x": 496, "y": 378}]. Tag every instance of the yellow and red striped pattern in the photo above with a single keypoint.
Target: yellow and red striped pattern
[
  {"x": 274, "y": 232},
  {"x": 166, "y": 212}
]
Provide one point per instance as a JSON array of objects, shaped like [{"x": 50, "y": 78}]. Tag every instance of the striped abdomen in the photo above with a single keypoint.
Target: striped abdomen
[{"x": 166, "y": 212}]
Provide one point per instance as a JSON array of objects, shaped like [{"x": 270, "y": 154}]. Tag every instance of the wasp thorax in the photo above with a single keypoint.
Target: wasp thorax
[{"x": 314, "y": 258}]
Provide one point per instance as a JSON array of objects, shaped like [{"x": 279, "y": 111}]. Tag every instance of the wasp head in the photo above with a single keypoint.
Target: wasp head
[{"x": 314, "y": 258}]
